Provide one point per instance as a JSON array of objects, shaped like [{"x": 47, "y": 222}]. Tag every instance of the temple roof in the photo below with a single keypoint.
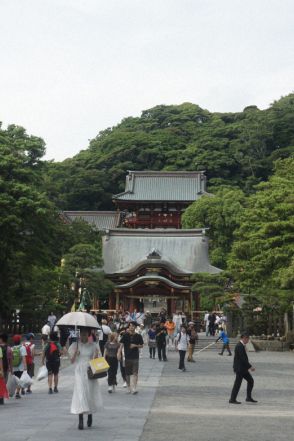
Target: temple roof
[
  {"x": 185, "y": 250},
  {"x": 101, "y": 220},
  {"x": 163, "y": 186}
]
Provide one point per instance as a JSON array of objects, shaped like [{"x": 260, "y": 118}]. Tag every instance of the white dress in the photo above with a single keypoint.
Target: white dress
[{"x": 86, "y": 395}]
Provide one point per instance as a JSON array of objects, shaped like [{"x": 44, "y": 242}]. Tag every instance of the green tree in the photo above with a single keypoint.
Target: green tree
[
  {"x": 263, "y": 250},
  {"x": 81, "y": 278},
  {"x": 221, "y": 214}
]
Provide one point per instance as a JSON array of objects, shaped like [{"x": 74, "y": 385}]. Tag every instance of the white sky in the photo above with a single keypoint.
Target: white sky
[{"x": 70, "y": 68}]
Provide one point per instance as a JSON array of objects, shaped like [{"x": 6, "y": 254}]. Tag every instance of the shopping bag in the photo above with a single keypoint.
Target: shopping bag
[
  {"x": 42, "y": 373},
  {"x": 25, "y": 380},
  {"x": 95, "y": 376},
  {"x": 12, "y": 384},
  {"x": 3, "y": 389},
  {"x": 99, "y": 365}
]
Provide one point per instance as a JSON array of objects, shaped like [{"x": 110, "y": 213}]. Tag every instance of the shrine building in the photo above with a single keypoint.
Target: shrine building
[{"x": 146, "y": 253}]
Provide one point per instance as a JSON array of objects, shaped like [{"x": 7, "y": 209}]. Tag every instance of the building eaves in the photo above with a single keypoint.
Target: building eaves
[
  {"x": 152, "y": 278},
  {"x": 101, "y": 220}
]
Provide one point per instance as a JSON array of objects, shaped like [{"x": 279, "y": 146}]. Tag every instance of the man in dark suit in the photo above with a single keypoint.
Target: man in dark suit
[{"x": 241, "y": 368}]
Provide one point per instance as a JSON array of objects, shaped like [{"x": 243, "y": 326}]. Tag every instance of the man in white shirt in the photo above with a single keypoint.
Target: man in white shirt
[
  {"x": 182, "y": 342},
  {"x": 45, "y": 331},
  {"x": 51, "y": 320},
  {"x": 206, "y": 323},
  {"x": 140, "y": 317},
  {"x": 177, "y": 319}
]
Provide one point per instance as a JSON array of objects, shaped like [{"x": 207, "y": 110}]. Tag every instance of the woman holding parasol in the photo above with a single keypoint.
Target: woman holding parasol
[{"x": 86, "y": 397}]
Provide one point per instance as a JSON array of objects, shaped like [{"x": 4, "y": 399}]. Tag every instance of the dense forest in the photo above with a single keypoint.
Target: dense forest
[{"x": 249, "y": 161}]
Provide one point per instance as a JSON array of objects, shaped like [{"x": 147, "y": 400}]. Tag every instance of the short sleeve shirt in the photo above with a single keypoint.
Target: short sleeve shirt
[
  {"x": 183, "y": 340},
  {"x": 112, "y": 349},
  {"x": 127, "y": 340},
  {"x": 23, "y": 353}
]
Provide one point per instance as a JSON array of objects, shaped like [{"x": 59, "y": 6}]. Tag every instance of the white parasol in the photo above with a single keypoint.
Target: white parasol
[{"x": 78, "y": 319}]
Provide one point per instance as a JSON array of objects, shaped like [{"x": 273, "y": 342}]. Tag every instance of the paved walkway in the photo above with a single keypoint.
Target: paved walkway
[
  {"x": 194, "y": 405},
  {"x": 171, "y": 405}
]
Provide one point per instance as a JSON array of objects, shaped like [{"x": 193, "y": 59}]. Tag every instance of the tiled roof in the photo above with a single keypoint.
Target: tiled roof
[
  {"x": 186, "y": 250},
  {"x": 102, "y": 220},
  {"x": 163, "y": 186}
]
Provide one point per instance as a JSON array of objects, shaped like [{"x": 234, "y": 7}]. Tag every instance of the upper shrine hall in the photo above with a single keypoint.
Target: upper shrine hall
[{"x": 145, "y": 252}]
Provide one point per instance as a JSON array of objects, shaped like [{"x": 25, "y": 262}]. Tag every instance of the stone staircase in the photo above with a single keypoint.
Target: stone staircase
[{"x": 204, "y": 341}]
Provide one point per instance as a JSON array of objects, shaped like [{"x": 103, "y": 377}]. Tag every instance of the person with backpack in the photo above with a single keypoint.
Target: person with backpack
[
  {"x": 19, "y": 362},
  {"x": 193, "y": 337},
  {"x": 7, "y": 356},
  {"x": 52, "y": 352},
  {"x": 182, "y": 342},
  {"x": 30, "y": 347}
]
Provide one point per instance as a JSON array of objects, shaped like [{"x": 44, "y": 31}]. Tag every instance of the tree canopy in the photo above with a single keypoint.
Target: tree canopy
[
  {"x": 248, "y": 158},
  {"x": 235, "y": 149}
]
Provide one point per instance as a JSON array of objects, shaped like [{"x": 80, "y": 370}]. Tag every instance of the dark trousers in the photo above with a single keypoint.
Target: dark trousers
[
  {"x": 152, "y": 352},
  {"x": 123, "y": 371},
  {"x": 112, "y": 371},
  {"x": 102, "y": 345},
  {"x": 182, "y": 355},
  {"x": 238, "y": 381},
  {"x": 227, "y": 347},
  {"x": 211, "y": 329},
  {"x": 161, "y": 348}
]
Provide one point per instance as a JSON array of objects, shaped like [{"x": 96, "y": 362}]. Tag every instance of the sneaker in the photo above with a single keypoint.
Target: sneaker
[
  {"x": 234, "y": 402},
  {"x": 220, "y": 353},
  {"x": 23, "y": 392},
  {"x": 125, "y": 384},
  {"x": 17, "y": 396},
  {"x": 29, "y": 391},
  {"x": 134, "y": 391},
  {"x": 55, "y": 390},
  {"x": 184, "y": 370},
  {"x": 110, "y": 389},
  {"x": 50, "y": 391}
]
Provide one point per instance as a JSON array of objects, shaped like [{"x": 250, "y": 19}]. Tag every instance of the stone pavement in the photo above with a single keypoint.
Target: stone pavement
[
  {"x": 193, "y": 405},
  {"x": 43, "y": 417},
  {"x": 171, "y": 405}
]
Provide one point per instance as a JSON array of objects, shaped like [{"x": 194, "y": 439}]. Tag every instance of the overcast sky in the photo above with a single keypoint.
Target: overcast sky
[{"x": 70, "y": 68}]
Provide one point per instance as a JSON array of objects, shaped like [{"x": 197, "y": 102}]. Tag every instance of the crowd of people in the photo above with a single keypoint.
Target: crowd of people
[{"x": 120, "y": 339}]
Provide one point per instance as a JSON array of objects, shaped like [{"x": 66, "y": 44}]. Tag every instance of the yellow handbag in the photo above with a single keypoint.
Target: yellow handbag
[{"x": 98, "y": 368}]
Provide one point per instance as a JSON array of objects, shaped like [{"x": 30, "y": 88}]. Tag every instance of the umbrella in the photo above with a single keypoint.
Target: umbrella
[{"x": 78, "y": 319}]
